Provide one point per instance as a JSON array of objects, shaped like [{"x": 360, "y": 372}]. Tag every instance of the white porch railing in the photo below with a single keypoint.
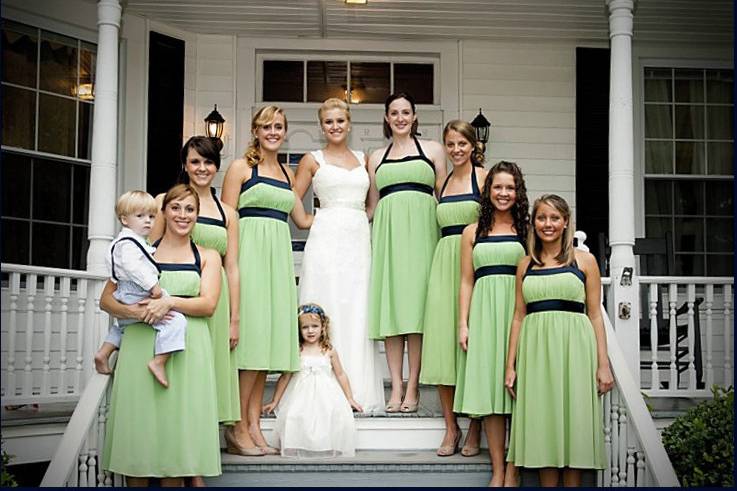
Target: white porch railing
[{"x": 51, "y": 326}]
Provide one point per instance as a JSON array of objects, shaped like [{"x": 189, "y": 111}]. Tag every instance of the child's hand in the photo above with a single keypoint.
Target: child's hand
[
  {"x": 268, "y": 408},
  {"x": 356, "y": 406}
]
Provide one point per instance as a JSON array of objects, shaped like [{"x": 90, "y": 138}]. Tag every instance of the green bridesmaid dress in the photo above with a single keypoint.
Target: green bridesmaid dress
[
  {"x": 557, "y": 418},
  {"x": 403, "y": 240},
  {"x": 153, "y": 431},
  {"x": 212, "y": 233},
  {"x": 441, "y": 353},
  {"x": 480, "y": 388},
  {"x": 269, "y": 339}
]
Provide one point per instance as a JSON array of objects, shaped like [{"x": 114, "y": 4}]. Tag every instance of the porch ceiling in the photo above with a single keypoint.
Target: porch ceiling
[{"x": 703, "y": 21}]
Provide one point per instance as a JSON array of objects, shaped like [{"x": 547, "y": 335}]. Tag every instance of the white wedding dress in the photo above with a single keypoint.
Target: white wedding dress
[{"x": 335, "y": 273}]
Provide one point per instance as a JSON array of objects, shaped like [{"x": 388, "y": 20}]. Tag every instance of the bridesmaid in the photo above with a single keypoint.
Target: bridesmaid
[
  {"x": 558, "y": 347},
  {"x": 404, "y": 178},
  {"x": 261, "y": 189},
  {"x": 153, "y": 431},
  {"x": 490, "y": 251},
  {"x": 458, "y": 206}
]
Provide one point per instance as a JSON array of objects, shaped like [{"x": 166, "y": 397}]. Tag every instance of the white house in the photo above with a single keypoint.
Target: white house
[{"x": 623, "y": 107}]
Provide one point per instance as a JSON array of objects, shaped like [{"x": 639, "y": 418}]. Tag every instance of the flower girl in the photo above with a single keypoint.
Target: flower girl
[{"x": 313, "y": 407}]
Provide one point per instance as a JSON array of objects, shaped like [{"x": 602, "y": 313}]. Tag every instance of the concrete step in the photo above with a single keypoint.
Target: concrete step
[{"x": 374, "y": 468}]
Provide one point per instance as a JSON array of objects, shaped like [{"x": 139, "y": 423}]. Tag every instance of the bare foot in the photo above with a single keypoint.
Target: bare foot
[
  {"x": 254, "y": 431},
  {"x": 101, "y": 364},
  {"x": 198, "y": 482},
  {"x": 496, "y": 481},
  {"x": 159, "y": 372}
]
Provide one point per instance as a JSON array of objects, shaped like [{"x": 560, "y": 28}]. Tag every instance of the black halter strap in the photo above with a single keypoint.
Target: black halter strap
[
  {"x": 138, "y": 244},
  {"x": 445, "y": 183},
  {"x": 217, "y": 202},
  {"x": 475, "y": 183}
]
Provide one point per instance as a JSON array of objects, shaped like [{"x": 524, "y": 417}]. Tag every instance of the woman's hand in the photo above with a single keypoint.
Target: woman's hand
[
  {"x": 235, "y": 333},
  {"x": 356, "y": 406},
  {"x": 463, "y": 337},
  {"x": 509, "y": 379},
  {"x": 156, "y": 309},
  {"x": 604, "y": 379}
]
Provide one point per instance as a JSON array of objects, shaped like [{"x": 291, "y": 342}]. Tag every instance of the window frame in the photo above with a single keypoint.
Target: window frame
[
  {"x": 348, "y": 58},
  {"x": 640, "y": 148}
]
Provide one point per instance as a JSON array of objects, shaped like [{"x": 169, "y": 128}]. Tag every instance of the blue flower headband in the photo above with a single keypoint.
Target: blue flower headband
[{"x": 310, "y": 309}]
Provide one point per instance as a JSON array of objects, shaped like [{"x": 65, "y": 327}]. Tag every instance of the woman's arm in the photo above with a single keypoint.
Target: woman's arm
[
  {"x": 466, "y": 287},
  {"x": 520, "y": 310},
  {"x": 436, "y": 153},
  {"x": 200, "y": 306},
  {"x": 587, "y": 263},
  {"x": 342, "y": 377},
  {"x": 305, "y": 170},
  {"x": 281, "y": 386},
  {"x": 372, "y": 198},
  {"x": 109, "y": 304},
  {"x": 299, "y": 216},
  {"x": 237, "y": 173},
  {"x": 157, "y": 230},
  {"x": 232, "y": 274}
]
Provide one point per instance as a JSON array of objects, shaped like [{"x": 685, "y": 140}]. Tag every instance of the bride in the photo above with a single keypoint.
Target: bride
[{"x": 337, "y": 256}]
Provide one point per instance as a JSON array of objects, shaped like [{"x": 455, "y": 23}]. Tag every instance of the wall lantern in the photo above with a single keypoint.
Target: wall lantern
[
  {"x": 481, "y": 125},
  {"x": 214, "y": 124}
]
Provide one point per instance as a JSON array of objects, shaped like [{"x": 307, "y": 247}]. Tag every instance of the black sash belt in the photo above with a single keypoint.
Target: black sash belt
[
  {"x": 548, "y": 305},
  {"x": 490, "y": 270},
  {"x": 452, "y": 230},
  {"x": 405, "y": 186},
  {"x": 252, "y": 211}
]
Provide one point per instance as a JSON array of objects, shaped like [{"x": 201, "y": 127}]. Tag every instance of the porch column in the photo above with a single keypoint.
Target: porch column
[
  {"x": 621, "y": 183},
  {"x": 104, "y": 137}
]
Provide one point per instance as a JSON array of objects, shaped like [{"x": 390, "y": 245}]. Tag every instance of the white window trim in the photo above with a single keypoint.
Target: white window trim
[{"x": 391, "y": 58}]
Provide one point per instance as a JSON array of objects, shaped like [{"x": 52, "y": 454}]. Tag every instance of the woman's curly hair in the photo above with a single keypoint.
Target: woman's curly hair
[
  {"x": 520, "y": 209},
  {"x": 264, "y": 116}
]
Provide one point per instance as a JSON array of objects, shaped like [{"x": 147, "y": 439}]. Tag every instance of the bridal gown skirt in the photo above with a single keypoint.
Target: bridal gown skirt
[{"x": 335, "y": 275}]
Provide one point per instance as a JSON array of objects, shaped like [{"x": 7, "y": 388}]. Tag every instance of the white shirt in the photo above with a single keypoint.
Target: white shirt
[{"x": 131, "y": 263}]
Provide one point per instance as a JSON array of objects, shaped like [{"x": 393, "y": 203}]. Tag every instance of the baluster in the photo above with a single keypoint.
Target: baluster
[
  {"x": 101, "y": 423},
  {"x": 653, "y": 314},
  {"x": 623, "y": 436},
  {"x": 92, "y": 468},
  {"x": 728, "y": 335},
  {"x": 672, "y": 299},
  {"x": 615, "y": 439},
  {"x": 31, "y": 283},
  {"x": 641, "y": 468},
  {"x": 48, "y": 308},
  {"x": 92, "y": 440},
  {"x": 63, "y": 330},
  {"x": 630, "y": 466},
  {"x": 690, "y": 300},
  {"x": 12, "y": 331},
  {"x": 709, "y": 303},
  {"x": 83, "y": 483},
  {"x": 607, "y": 476},
  {"x": 81, "y": 302}
]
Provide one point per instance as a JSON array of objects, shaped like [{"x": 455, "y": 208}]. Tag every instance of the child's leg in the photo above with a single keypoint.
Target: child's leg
[
  {"x": 170, "y": 335},
  {"x": 111, "y": 343}
]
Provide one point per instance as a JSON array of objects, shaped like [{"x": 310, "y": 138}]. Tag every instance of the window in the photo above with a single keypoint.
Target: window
[
  {"x": 358, "y": 81},
  {"x": 688, "y": 166},
  {"x": 48, "y": 93}
]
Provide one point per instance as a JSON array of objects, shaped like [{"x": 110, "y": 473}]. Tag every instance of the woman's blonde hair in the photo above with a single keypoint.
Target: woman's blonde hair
[
  {"x": 264, "y": 116},
  {"x": 135, "y": 201},
  {"x": 334, "y": 103},
  {"x": 469, "y": 133},
  {"x": 314, "y": 309},
  {"x": 180, "y": 191},
  {"x": 567, "y": 252}
]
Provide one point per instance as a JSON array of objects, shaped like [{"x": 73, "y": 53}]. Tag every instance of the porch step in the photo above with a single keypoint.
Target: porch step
[{"x": 374, "y": 468}]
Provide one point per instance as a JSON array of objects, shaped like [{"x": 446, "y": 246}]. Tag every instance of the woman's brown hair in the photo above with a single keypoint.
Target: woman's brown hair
[
  {"x": 264, "y": 116},
  {"x": 465, "y": 129},
  {"x": 520, "y": 209},
  {"x": 388, "y": 102},
  {"x": 180, "y": 191}
]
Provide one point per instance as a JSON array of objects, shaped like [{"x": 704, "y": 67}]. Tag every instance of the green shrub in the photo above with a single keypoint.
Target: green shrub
[
  {"x": 700, "y": 443},
  {"x": 6, "y": 478}
]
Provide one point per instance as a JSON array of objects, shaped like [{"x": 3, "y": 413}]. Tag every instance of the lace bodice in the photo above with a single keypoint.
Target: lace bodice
[
  {"x": 337, "y": 187},
  {"x": 314, "y": 365}
]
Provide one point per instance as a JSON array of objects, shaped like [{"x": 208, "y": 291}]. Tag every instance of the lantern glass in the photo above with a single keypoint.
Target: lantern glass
[{"x": 214, "y": 124}]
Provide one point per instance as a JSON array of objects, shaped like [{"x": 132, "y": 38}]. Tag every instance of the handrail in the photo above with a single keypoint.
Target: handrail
[
  {"x": 76, "y": 432},
  {"x": 670, "y": 280},
  {"x": 44, "y": 271},
  {"x": 659, "y": 463}
]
